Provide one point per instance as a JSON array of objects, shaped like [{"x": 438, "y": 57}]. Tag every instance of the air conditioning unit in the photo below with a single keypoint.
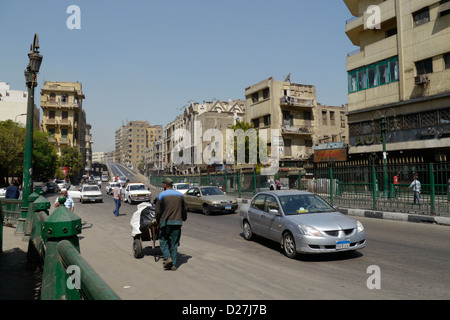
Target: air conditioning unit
[{"x": 422, "y": 79}]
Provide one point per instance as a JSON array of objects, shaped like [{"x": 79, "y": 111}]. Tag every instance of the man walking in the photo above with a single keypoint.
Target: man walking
[
  {"x": 117, "y": 196},
  {"x": 12, "y": 192},
  {"x": 69, "y": 204},
  {"x": 170, "y": 213},
  {"x": 416, "y": 188}
]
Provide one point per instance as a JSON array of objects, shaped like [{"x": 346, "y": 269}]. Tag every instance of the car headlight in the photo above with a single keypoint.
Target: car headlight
[
  {"x": 309, "y": 231},
  {"x": 359, "y": 225}
]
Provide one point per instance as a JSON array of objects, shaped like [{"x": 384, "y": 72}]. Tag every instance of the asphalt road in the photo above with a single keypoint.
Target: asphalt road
[{"x": 410, "y": 260}]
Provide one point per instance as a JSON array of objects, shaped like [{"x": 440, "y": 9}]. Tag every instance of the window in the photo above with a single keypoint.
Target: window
[
  {"x": 380, "y": 73},
  {"x": 52, "y": 97},
  {"x": 362, "y": 79},
  {"x": 391, "y": 32},
  {"x": 258, "y": 202},
  {"x": 271, "y": 203},
  {"x": 447, "y": 60},
  {"x": 444, "y": 8},
  {"x": 266, "y": 93},
  {"x": 267, "y": 120},
  {"x": 255, "y": 97},
  {"x": 332, "y": 122},
  {"x": 255, "y": 123},
  {"x": 352, "y": 82},
  {"x": 51, "y": 114},
  {"x": 421, "y": 17},
  {"x": 324, "y": 118},
  {"x": 65, "y": 115},
  {"x": 64, "y": 133},
  {"x": 424, "y": 66}
]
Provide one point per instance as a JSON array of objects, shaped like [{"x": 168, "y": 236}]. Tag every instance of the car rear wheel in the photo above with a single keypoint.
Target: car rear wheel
[
  {"x": 247, "y": 230},
  {"x": 289, "y": 245}
]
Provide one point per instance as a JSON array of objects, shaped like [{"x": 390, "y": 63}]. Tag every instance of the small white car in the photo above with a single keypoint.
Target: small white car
[
  {"x": 2, "y": 192},
  {"x": 136, "y": 192},
  {"x": 62, "y": 184},
  {"x": 181, "y": 187},
  {"x": 91, "y": 193},
  {"x": 109, "y": 187},
  {"x": 105, "y": 178}
]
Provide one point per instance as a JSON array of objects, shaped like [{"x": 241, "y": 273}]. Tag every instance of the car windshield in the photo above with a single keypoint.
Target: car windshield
[
  {"x": 122, "y": 179},
  {"x": 182, "y": 186},
  {"x": 304, "y": 203},
  {"x": 138, "y": 187},
  {"x": 90, "y": 188},
  {"x": 211, "y": 191},
  {"x": 60, "y": 181}
]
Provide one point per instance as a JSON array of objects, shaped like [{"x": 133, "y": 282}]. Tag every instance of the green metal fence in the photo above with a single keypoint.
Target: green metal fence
[{"x": 361, "y": 186}]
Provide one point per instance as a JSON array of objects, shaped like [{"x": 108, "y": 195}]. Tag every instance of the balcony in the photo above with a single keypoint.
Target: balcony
[
  {"x": 296, "y": 102},
  {"x": 65, "y": 123},
  {"x": 64, "y": 141},
  {"x": 296, "y": 130}
]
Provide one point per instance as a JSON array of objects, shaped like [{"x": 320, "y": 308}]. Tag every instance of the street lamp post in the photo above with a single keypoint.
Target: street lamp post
[
  {"x": 383, "y": 138},
  {"x": 35, "y": 60}
]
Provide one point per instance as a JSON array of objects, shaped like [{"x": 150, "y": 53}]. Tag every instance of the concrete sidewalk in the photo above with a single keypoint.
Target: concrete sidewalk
[{"x": 18, "y": 280}]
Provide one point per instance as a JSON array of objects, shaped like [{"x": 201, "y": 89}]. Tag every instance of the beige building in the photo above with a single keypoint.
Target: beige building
[
  {"x": 292, "y": 109},
  {"x": 13, "y": 106},
  {"x": 399, "y": 79},
  {"x": 63, "y": 115},
  {"x": 133, "y": 139}
]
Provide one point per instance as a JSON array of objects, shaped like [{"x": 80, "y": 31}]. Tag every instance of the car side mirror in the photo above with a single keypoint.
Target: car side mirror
[
  {"x": 336, "y": 208},
  {"x": 274, "y": 212}
]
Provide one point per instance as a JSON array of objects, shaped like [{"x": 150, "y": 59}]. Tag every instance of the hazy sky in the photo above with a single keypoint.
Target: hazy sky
[{"x": 146, "y": 59}]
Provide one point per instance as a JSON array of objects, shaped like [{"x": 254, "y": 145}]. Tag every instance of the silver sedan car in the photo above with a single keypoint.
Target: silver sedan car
[{"x": 301, "y": 221}]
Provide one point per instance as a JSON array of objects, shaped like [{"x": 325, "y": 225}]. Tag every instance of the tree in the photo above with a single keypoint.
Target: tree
[
  {"x": 12, "y": 145},
  {"x": 70, "y": 157}
]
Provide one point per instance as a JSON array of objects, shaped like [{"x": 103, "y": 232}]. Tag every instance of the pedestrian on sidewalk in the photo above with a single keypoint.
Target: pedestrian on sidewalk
[
  {"x": 170, "y": 212},
  {"x": 396, "y": 177},
  {"x": 416, "y": 186},
  {"x": 117, "y": 196},
  {"x": 12, "y": 192},
  {"x": 68, "y": 203}
]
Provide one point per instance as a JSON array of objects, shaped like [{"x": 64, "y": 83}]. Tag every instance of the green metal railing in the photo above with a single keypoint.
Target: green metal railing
[
  {"x": 53, "y": 244},
  {"x": 353, "y": 186}
]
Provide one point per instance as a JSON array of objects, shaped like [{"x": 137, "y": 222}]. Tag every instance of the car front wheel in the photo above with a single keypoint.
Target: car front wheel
[
  {"x": 289, "y": 245},
  {"x": 206, "y": 209}
]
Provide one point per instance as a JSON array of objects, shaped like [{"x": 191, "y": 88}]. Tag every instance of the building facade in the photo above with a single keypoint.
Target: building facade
[
  {"x": 399, "y": 79},
  {"x": 13, "y": 106},
  {"x": 63, "y": 115}
]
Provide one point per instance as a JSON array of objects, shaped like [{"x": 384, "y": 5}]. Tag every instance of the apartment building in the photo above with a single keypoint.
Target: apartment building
[
  {"x": 399, "y": 78},
  {"x": 292, "y": 109},
  {"x": 13, "y": 106},
  {"x": 63, "y": 114},
  {"x": 131, "y": 143}
]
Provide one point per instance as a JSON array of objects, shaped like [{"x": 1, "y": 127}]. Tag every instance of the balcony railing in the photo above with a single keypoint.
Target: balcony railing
[
  {"x": 296, "y": 102},
  {"x": 287, "y": 129}
]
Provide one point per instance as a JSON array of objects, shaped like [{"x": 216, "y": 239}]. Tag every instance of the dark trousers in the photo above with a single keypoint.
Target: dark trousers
[{"x": 169, "y": 239}]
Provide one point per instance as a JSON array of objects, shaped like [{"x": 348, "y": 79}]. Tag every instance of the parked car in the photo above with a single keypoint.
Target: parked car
[
  {"x": 265, "y": 186},
  {"x": 2, "y": 192},
  {"x": 209, "y": 199},
  {"x": 105, "y": 178},
  {"x": 182, "y": 187},
  {"x": 109, "y": 187},
  {"x": 136, "y": 192},
  {"x": 62, "y": 184},
  {"x": 52, "y": 187},
  {"x": 91, "y": 192},
  {"x": 40, "y": 185},
  {"x": 301, "y": 222}
]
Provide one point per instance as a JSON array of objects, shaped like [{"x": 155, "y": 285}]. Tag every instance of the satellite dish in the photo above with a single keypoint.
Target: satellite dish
[{"x": 288, "y": 78}]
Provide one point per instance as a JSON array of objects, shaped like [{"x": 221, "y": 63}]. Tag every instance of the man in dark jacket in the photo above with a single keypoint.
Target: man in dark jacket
[
  {"x": 170, "y": 212},
  {"x": 12, "y": 192}
]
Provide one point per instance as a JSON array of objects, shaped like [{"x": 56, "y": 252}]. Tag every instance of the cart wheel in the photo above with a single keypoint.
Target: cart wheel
[{"x": 137, "y": 248}]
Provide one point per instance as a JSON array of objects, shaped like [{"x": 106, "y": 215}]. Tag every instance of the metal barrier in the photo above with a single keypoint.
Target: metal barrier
[
  {"x": 53, "y": 245},
  {"x": 363, "y": 186}
]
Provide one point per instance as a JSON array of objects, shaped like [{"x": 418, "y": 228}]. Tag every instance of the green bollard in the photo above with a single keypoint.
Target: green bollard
[{"x": 62, "y": 224}]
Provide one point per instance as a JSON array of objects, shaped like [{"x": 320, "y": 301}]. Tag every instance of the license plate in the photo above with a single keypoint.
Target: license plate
[
  {"x": 342, "y": 244},
  {"x": 92, "y": 199},
  {"x": 227, "y": 207}
]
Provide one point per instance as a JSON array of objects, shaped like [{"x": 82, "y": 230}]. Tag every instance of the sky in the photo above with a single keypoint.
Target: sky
[{"x": 147, "y": 59}]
